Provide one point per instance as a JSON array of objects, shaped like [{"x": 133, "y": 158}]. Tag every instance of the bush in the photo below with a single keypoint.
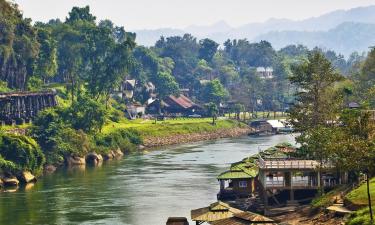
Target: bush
[
  {"x": 361, "y": 217},
  {"x": 86, "y": 114},
  {"x": 71, "y": 142},
  {"x": 57, "y": 138},
  {"x": 125, "y": 139},
  {"x": 19, "y": 152},
  {"x": 116, "y": 115}
]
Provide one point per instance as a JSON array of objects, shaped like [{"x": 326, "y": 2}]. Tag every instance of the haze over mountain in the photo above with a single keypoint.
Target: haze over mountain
[{"x": 342, "y": 30}]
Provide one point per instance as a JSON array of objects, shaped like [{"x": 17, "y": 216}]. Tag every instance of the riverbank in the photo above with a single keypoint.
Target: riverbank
[
  {"x": 181, "y": 130},
  {"x": 151, "y": 142},
  {"x": 121, "y": 138}
]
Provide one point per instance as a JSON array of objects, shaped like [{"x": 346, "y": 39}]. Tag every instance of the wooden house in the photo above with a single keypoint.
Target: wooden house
[
  {"x": 180, "y": 104},
  {"x": 291, "y": 174},
  {"x": 239, "y": 181},
  {"x": 126, "y": 89}
]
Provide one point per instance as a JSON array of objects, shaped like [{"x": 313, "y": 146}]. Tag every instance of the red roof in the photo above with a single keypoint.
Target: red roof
[{"x": 182, "y": 101}]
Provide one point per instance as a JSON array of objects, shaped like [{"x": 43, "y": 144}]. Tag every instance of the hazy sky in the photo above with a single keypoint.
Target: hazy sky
[{"x": 140, "y": 14}]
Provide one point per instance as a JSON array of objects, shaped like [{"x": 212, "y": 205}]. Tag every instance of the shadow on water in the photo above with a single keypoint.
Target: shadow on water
[{"x": 139, "y": 189}]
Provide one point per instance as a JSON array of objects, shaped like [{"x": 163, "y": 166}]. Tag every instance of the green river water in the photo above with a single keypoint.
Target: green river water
[{"x": 141, "y": 189}]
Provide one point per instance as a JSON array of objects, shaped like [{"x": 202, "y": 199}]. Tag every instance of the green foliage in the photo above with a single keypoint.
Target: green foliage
[
  {"x": 18, "y": 46},
  {"x": 214, "y": 91},
  {"x": 34, "y": 84},
  {"x": 166, "y": 84},
  {"x": 21, "y": 153},
  {"x": 86, "y": 114},
  {"x": 328, "y": 198},
  {"x": 360, "y": 217},
  {"x": 212, "y": 111},
  {"x": 71, "y": 142},
  {"x": 358, "y": 196},
  {"x": 317, "y": 101},
  {"x": 207, "y": 49},
  {"x": 124, "y": 139}
]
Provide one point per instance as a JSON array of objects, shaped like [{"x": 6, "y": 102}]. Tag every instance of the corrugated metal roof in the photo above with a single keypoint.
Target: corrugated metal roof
[{"x": 182, "y": 101}]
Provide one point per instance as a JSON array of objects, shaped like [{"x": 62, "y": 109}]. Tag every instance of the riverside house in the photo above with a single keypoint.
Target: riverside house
[
  {"x": 275, "y": 177},
  {"x": 176, "y": 105}
]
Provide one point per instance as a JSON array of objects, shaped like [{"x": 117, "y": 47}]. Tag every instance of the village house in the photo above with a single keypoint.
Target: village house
[
  {"x": 275, "y": 177},
  {"x": 125, "y": 90},
  {"x": 264, "y": 72},
  {"x": 173, "y": 105}
]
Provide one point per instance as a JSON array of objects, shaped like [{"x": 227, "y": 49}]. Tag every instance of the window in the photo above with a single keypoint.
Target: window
[{"x": 242, "y": 184}]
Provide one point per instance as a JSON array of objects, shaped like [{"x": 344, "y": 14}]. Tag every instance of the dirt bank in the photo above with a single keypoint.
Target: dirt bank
[{"x": 150, "y": 142}]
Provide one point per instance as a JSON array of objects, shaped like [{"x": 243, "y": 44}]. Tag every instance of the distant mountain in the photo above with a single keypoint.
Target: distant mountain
[
  {"x": 201, "y": 31},
  {"x": 149, "y": 37},
  {"x": 345, "y": 38},
  {"x": 328, "y": 23}
]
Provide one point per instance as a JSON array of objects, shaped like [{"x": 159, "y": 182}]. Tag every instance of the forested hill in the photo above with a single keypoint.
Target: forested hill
[
  {"x": 345, "y": 38},
  {"x": 322, "y": 26}
]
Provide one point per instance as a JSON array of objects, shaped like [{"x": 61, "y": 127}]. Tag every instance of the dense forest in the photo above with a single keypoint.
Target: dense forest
[{"x": 86, "y": 60}]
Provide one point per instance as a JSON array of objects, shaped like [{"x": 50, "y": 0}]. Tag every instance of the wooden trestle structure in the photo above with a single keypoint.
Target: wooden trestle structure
[{"x": 20, "y": 107}]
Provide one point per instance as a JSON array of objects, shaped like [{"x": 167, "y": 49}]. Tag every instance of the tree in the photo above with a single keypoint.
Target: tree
[
  {"x": 46, "y": 64},
  {"x": 184, "y": 52},
  {"x": 317, "y": 102},
  {"x": 365, "y": 80},
  {"x": 212, "y": 111},
  {"x": 86, "y": 114},
  {"x": 165, "y": 85},
  {"x": 355, "y": 146},
  {"x": 214, "y": 92},
  {"x": 18, "y": 46},
  {"x": 207, "y": 49},
  {"x": 80, "y": 14}
]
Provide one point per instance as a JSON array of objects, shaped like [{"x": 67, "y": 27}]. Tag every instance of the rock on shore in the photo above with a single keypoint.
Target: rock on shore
[
  {"x": 10, "y": 181},
  {"x": 193, "y": 137},
  {"x": 75, "y": 160},
  {"x": 27, "y": 177},
  {"x": 94, "y": 158}
]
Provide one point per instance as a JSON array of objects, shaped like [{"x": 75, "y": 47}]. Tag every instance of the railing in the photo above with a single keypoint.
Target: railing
[{"x": 290, "y": 164}]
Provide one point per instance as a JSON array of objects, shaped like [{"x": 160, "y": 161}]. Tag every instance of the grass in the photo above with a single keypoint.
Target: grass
[
  {"x": 328, "y": 198},
  {"x": 359, "y": 195},
  {"x": 361, "y": 217},
  {"x": 148, "y": 128}
]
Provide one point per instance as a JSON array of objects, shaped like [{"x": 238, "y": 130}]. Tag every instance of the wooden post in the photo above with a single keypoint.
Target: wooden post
[{"x": 369, "y": 197}]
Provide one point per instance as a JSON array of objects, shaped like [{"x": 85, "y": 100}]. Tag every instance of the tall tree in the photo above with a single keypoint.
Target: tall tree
[
  {"x": 207, "y": 49},
  {"x": 18, "y": 46},
  {"x": 317, "y": 102},
  {"x": 46, "y": 64}
]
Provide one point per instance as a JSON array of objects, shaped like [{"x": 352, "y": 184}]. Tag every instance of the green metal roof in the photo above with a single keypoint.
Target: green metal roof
[
  {"x": 234, "y": 175},
  {"x": 248, "y": 168}
]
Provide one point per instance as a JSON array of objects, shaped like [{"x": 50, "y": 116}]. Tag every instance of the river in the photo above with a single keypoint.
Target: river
[{"x": 141, "y": 189}]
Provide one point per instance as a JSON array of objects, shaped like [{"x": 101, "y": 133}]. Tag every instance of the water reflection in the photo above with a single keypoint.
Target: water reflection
[{"x": 140, "y": 189}]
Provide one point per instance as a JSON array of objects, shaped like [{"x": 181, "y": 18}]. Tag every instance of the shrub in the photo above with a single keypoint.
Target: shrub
[
  {"x": 22, "y": 151},
  {"x": 125, "y": 139},
  {"x": 72, "y": 142},
  {"x": 116, "y": 115},
  {"x": 86, "y": 114},
  {"x": 360, "y": 217}
]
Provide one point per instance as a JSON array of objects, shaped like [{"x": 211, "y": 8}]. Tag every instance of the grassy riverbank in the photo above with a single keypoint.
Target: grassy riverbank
[
  {"x": 148, "y": 128},
  {"x": 181, "y": 130},
  {"x": 358, "y": 198}
]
